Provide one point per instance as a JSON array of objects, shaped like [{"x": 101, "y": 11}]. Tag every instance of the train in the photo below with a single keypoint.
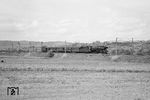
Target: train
[{"x": 82, "y": 49}]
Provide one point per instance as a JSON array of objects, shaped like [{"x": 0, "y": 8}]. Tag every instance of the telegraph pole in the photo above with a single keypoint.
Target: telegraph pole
[
  {"x": 12, "y": 46},
  {"x": 19, "y": 45},
  {"x": 65, "y": 46},
  {"x": 41, "y": 44},
  {"x": 132, "y": 46},
  {"x": 116, "y": 46}
]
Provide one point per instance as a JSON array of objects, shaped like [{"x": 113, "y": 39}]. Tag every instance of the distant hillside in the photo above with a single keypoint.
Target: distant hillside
[{"x": 22, "y": 44}]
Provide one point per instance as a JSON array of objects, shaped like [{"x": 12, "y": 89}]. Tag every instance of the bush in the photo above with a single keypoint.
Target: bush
[
  {"x": 139, "y": 52},
  {"x": 121, "y": 51},
  {"x": 50, "y": 53},
  {"x": 146, "y": 51}
]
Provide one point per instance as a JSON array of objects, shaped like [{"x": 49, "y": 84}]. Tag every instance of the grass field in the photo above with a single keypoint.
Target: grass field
[{"x": 74, "y": 77}]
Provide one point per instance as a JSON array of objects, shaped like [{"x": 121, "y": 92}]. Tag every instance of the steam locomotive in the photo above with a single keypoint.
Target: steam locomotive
[{"x": 82, "y": 49}]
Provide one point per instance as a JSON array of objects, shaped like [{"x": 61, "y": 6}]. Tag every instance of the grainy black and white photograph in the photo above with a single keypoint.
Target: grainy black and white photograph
[{"x": 74, "y": 50}]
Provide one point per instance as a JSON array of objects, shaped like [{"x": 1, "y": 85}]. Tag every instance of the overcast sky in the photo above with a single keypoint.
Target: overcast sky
[{"x": 74, "y": 20}]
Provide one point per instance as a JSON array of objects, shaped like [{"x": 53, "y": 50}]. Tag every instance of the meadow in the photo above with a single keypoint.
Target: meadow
[{"x": 74, "y": 77}]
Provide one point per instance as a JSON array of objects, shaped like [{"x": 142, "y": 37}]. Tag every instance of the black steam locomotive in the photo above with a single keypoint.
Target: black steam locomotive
[{"x": 82, "y": 49}]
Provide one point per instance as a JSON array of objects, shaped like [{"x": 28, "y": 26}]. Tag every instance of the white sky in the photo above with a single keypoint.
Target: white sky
[{"x": 74, "y": 20}]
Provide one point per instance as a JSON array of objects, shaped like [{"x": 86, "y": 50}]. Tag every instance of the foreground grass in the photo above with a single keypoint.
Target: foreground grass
[{"x": 84, "y": 77}]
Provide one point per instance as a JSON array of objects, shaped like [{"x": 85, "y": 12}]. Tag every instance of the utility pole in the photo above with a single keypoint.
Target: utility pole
[
  {"x": 41, "y": 44},
  {"x": 12, "y": 46},
  {"x": 19, "y": 45},
  {"x": 142, "y": 47},
  {"x": 29, "y": 46},
  {"x": 65, "y": 46},
  {"x": 132, "y": 46},
  {"x": 116, "y": 46}
]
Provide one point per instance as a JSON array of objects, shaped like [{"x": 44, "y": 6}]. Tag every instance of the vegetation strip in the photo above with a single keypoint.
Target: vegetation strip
[{"x": 76, "y": 70}]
